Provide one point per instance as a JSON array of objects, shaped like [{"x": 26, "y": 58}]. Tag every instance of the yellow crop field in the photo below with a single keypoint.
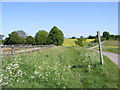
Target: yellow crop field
[
  {"x": 113, "y": 46},
  {"x": 71, "y": 42}
]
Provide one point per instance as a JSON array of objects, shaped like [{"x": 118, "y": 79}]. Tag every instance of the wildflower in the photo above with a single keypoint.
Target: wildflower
[
  {"x": 32, "y": 77},
  {"x": 36, "y": 72}
]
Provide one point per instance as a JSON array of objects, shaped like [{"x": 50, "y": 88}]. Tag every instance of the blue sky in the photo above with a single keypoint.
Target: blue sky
[{"x": 73, "y": 18}]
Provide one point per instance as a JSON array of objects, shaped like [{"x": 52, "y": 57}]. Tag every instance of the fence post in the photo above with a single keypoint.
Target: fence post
[
  {"x": 12, "y": 51},
  {"x": 100, "y": 48},
  {"x": 20, "y": 49},
  {"x": 26, "y": 48}
]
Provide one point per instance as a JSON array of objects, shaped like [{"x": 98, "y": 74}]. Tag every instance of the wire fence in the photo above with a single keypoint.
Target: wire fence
[{"x": 18, "y": 49}]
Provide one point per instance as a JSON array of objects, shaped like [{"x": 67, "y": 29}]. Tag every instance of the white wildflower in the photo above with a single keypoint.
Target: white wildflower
[
  {"x": 36, "y": 72},
  {"x": 32, "y": 77}
]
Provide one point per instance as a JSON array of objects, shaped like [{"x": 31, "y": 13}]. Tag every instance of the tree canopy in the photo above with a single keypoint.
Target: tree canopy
[
  {"x": 30, "y": 40},
  {"x": 55, "y": 36},
  {"x": 106, "y": 35},
  {"x": 41, "y": 37},
  {"x": 14, "y": 39}
]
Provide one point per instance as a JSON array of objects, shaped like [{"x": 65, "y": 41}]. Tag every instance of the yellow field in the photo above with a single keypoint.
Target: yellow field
[
  {"x": 113, "y": 46},
  {"x": 71, "y": 42}
]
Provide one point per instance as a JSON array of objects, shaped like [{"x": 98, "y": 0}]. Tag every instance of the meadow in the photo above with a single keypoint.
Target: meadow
[
  {"x": 58, "y": 67},
  {"x": 111, "y": 46}
]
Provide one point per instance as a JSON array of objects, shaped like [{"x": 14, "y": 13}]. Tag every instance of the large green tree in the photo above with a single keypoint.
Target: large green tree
[
  {"x": 14, "y": 38},
  {"x": 106, "y": 35},
  {"x": 55, "y": 36},
  {"x": 41, "y": 37},
  {"x": 30, "y": 40}
]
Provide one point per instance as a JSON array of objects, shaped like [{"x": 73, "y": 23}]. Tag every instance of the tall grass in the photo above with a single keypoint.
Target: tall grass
[
  {"x": 59, "y": 67},
  {"x": 112, "y": 46}
]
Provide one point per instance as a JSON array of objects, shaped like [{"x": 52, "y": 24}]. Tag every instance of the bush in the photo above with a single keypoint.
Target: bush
[
  {"x": 81, "y": 42},
  {"x": 101, "y": 37}
]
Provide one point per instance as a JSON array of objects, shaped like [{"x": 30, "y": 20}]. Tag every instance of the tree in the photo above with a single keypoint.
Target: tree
[
  {"x": 14, "y": 39},
  {"x": 41, "y": 37},
  {"x": 30, "y": 40},
  {"x": 91, "y": 37},
  {"x": 106, "y": 35},
  {"x": 81, "y": 37},
  {"x": 73, "y": 37},
  {"x": 21, "y": 33},
  {"x": 55, "y": 36}
]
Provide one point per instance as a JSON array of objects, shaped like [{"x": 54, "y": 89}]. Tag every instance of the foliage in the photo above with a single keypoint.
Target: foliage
[
  {"x": 30, "y": 40},
  {"x": 81, "y": 42},
  {"x": 91, "y": 37},
  {"x": 60, "y": 67},
  {"x": 91, "y": 44},
  {"x": 106, "y": 35},
  {"x": 41, "y": 37},
  {"x": 73, "y": 37},
  {"x": 101, "y": 38},
  {"x": 55, "y": 36},
  {"x": 21, "y": 33},
  {"x": 14, "y": 39}
]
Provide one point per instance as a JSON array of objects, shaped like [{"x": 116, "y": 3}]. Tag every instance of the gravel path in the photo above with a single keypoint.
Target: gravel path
[{"x": 113, "y": 57}]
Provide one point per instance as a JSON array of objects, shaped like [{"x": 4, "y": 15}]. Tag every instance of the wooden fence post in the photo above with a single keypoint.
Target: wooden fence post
[
  {"x": 12, "y": 51},
  {"x": 20, "y": 49},
  {"x": 100, "y": 48}
]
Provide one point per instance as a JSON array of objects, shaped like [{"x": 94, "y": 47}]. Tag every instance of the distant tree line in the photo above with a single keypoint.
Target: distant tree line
[
  {"x": 105, "y": 36},
  {"x": 42, "y": 37}
]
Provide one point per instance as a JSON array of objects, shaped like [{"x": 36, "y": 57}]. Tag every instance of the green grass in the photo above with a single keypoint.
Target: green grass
[
  {"x": 69, "y": 42},
  {"x": 112, "y": 46},
  {"x": 108, "y": 49},
  {"x": 59, "y": 67},
  {"x": 111, "y": 43}
]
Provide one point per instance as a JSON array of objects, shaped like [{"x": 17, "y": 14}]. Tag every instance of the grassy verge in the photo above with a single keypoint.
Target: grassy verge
[
  {"x": 59, "y": 67},
  {"x": 111, "y": 46}
]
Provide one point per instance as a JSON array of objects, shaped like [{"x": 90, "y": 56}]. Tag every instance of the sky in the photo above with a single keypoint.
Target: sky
[{"x": 73, "y": 18}]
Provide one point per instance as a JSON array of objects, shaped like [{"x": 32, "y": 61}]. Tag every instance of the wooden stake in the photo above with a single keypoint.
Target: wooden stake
[
  {"x": 12, "y": 51},
  {"x": 100, "y": 48}
]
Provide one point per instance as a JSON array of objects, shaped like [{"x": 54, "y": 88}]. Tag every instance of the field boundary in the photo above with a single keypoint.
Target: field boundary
[{"x": 18, "y": 49}]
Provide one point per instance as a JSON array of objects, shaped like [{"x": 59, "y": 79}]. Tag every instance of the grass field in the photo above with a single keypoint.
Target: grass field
[
  {"x": 111, "y": 46},
  {"x": 71, "y": 42},
  {"x": 59, "y": 67}
]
